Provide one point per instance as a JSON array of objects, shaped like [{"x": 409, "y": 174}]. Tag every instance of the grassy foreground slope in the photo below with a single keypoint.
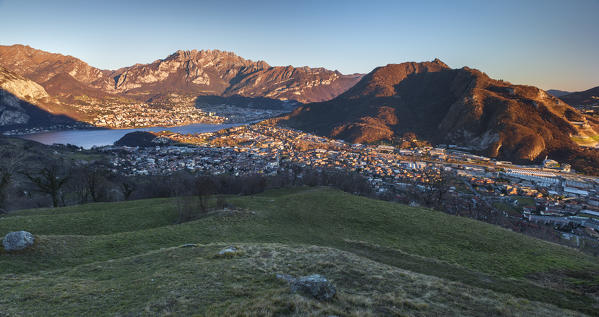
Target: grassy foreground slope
[{"x": 385, "y": 259}]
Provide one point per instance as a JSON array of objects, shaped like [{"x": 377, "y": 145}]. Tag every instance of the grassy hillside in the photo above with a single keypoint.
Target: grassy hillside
[{"x": 385, "y": 258}]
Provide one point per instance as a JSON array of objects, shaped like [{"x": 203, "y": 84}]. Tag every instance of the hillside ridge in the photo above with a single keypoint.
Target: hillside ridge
[
  {"x": 462, "y": 106},
  {"x": 282, "y": 231}
]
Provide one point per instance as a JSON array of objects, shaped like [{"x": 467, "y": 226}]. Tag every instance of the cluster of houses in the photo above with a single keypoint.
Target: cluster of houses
[
  {"x": 168, "y": 159},
  {"x": 117, "y": 115},
  {"x": 182, "y": 111},
  {"x": 235, "y": 114},
  {"x": 555, "y": 191}
]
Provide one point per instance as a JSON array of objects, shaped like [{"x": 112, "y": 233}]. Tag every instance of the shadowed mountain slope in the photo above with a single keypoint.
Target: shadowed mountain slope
[
  {"x": 23, "y": 103},
  {"x": 451, "y": 106},
  {"x": 587, "y": 97},
  {"x": 558, "y": 93}
]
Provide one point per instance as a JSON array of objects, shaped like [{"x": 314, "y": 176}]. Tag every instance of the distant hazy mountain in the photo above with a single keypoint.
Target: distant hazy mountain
[
  {"x": 558, "y": 93},
  {"x": 586, "y": 97},
  {"x": 206, "y": 72},
  {"x": 451, "y": 106}
]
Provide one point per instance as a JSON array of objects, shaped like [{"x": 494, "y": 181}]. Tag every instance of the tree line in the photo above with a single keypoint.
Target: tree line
[{"x": 63, "y": 183}]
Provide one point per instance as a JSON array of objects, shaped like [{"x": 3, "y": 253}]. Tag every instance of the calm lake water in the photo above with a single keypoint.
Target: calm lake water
[{"x": 90, "y": 138}]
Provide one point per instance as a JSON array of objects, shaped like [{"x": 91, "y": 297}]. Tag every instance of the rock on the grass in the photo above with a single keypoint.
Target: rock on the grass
[
  {"x": 314, "y": 285},
  {"x": 17, "y": 240},
  {"x": 228, "y": 251}
]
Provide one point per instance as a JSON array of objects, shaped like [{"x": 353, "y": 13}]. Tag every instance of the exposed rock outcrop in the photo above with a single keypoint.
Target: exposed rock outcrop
[
  {"x": 205, "y": 72},
  {"x": 315, "y": 285},
  {"x": 17, "y": 241},
  {"x": 228, "y": 251},
  {"x": 24, "y": 102}
]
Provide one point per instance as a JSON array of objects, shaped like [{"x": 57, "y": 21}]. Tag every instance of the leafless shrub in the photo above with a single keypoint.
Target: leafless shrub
[
  {"x": 188, "y": 208},
  {"x": 50, "y": 180}
]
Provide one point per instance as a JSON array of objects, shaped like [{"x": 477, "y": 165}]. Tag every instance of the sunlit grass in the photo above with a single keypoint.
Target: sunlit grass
[{"x": 586, "y": 139}]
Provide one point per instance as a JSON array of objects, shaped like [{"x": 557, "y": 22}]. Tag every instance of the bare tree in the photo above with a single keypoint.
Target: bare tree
[
  {"x": 436, "y": 184},
  {"x": 186, "y": 207},
  {"x": 49, "y": 181},
  {"x": 190, "y": 207},
  {"x": 205, "y": 187},
  {"x": 5, "y": 179},
  {"x": 78, "y": 185},
  {"x": 94, "y": 179},
  {"x": 9, "y": 164},
  {"x": 127, "y": 188}
]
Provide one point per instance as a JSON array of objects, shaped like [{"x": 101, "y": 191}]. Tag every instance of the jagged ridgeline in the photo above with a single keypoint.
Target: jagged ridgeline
[
  {"x": 440, "y": 104},
  {"x": 206, "y": 72}
]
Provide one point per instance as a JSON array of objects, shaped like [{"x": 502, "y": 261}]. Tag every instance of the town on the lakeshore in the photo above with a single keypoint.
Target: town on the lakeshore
[
  {"x": 550, "y": 194},
  {"x": 177, "y": 112}
]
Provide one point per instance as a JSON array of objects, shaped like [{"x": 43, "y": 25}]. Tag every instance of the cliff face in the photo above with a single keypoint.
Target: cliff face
[
  {"x": 451, "y": 106},
  {"x": 20, "y": 87},
  {"x": 185, "y": 72},
  {"x": 206, "y": 72},
  {"x": 25, "y": 103},
  {"x": 302, "y": 84}
]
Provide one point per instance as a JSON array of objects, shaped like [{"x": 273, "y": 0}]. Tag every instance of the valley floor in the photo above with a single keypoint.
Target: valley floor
[{"x": 385, "y": 259}]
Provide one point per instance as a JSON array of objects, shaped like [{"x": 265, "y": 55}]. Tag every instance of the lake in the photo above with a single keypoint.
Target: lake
[{"x": 90, "y": 138}]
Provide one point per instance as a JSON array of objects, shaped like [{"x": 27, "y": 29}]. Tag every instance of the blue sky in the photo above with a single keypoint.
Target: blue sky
[{"x": 546, "y": 43}]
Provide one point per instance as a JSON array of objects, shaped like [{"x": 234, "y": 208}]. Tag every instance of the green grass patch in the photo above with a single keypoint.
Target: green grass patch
[
  {"x": 585, "y": 140},
  {"x": 93, "y": 219},
  {"x": 416, "y": 239},
  {"x": 193, "y": 281}
]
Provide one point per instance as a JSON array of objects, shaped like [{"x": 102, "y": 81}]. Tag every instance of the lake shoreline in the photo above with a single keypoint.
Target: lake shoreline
[{"x": 99, "y": 136}]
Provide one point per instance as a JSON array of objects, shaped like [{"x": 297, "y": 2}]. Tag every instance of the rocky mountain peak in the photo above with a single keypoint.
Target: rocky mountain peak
[
  {"x": 450, "y": 106},
  {"x": 211, "y": 57},
  {"x": 382, "y": 80},
  {"x": 441, "y": 63},
  {"x": 189, "y": 72}
]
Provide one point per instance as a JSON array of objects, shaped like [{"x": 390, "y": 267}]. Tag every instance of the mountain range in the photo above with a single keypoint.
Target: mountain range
[
  {"x": 450, "y": 106},
  {"x": 464, "y": 107},
  {"x": 206, "y": 72}
]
